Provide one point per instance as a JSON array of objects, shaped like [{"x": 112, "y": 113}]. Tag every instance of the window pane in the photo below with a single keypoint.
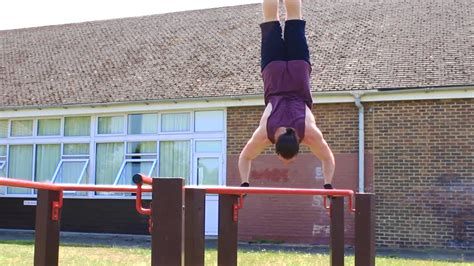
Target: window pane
[
  {"x": 70, "y": 172},
  {"x": 175, "y": 122},
  {"x": 209, "y": 146},
  {"x": 3, "y": 128},
  {"x": 3, "y": 150},
  {"x": 49, "y": 127},
  {"x": 22, "y": 128},
  {"x": 20, "y": 166},
  {"x": 208, "y": 171},
  {"x": 76, "y": 149},
  {"x": 209, "y": 121},
  {"x": 132, "y": 168},
  {"x": 77, "y": 126},
  {"x": 142, "y": 124},
  {"x": 109, "y": 160},
  {"x": 141, "y": 147},
  {"x": 47, "y": 159},
  {"x": 175, "y": 159},
  {"x": 110, "y": 125}
]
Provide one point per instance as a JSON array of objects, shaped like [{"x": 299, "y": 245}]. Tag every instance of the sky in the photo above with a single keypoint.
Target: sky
[{"x": 15, "y": 14}]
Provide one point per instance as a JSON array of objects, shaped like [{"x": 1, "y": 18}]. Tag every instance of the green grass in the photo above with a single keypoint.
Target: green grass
[{"x": 22, "y": 252}]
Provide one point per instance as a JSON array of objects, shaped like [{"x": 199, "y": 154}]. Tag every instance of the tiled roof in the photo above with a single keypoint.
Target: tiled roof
[{"x": 355, "y": 45}]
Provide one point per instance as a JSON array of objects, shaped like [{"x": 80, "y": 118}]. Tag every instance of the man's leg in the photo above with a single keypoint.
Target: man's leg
[
  {"x": 293, "y": 9},
  {"x": 295, "y": 38},
  {"x": 272, "y": 46},
  {"x": 270, "y": 10}
]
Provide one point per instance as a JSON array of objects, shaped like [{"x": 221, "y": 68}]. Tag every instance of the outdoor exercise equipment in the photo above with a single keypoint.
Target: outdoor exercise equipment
[{"x": 167, "y": 215}]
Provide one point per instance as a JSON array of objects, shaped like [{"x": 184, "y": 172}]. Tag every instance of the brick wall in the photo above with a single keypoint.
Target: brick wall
[
  {"x": 424, "y": 172},
  {"x": 423, "y": 159}
]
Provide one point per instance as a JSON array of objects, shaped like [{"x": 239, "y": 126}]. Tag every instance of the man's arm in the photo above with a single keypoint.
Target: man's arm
[
  {"x": 257, "y": 143},
  {"x": 315, "y": 141}
]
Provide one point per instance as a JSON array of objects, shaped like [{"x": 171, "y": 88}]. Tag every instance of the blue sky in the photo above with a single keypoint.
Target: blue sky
[{"x": 16, "y": 14}]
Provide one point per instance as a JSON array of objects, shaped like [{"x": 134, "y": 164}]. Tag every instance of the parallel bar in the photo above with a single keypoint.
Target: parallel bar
[
  {"x": 194, "y": 224},
  {"x": 46, "y": 230},
  {"x": 274, "y": 191},
  {"x": 227, "y": 239},
  {"x": 337, "y": 232},
  {"x": 167, "y": 221},
  {"x": 365, "y": 230}
]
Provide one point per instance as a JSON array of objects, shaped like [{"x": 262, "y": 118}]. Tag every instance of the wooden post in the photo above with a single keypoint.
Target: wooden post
[
  {"x": 337, "y": 232},
  {"x": 227, "y": 239},
  {"x": 46, "y": 229},
  {"x": 167, "y": 221},
  {"x": 365, "y": 229},
  {"x": 194, "y": 226}
]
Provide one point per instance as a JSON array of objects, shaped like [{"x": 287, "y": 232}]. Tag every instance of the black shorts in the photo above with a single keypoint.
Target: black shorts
[{"x": 293, "y": 45}]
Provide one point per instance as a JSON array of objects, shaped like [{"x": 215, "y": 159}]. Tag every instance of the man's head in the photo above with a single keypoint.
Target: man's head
[{"x": 287, "y": 145}]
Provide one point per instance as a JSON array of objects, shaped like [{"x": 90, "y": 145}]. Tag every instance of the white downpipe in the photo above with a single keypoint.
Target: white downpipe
[{"x": 361, "y": 142}]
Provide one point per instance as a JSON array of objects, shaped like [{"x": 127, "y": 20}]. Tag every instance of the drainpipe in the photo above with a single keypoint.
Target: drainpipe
[{"x": 361, "y": 140}]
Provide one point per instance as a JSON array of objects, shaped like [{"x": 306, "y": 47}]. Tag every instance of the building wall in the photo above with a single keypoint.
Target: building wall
[{"x": 421, "y": 156}]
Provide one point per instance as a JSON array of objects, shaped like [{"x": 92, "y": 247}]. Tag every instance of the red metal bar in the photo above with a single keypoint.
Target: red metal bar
[
  {"x": 138, "y": 202},
  {"x": 271, "y": 190},
  {"x": 68, "y": 187},
  {"x": 142, "y": 179}
]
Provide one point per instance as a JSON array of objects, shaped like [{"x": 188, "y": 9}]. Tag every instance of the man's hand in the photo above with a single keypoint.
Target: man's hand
[{"x": 328, "y": 186}]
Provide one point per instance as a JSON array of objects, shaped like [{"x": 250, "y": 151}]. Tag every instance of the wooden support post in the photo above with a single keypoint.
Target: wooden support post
[
  {"x": 337, "y": 232},
  {"x": 194, "y": 226},
  {"x": 47, "y": 229},
  {"x": 227, "y": 240},
  {"x": 365, "y": 229},
  {"x": 167, "y": 221}
]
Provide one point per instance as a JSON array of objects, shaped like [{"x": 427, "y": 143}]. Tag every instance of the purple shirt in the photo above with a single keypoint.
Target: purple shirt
[{"x": 286, "y": 86}]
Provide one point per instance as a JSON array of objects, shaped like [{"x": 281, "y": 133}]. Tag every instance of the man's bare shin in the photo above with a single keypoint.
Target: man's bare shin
[{"x": 270, "y": 10}]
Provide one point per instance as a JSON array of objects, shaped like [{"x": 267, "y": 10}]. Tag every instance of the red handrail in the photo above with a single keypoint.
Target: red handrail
[
  {"x": 273, "y": 191},
  {"x": 68, "y": 187}
]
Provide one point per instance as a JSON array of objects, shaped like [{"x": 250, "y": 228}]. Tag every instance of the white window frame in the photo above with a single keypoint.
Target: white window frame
[
  {"x": 93, "y": 139},
  {"x": 124, "y": 129},
  {"x": 33, "y": 130},
  {"x": 53, "y": 179},
  {"x": 191, "y": 123},
  {"x": 61, "y": 127},
  {"x": 125, "y": 161}
]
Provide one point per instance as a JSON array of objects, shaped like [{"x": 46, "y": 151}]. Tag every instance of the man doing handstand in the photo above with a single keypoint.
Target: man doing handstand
[{"x": 287, "y": 120}]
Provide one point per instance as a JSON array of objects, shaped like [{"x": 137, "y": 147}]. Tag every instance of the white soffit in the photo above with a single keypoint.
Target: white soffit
[{"x": 254, "y": 100}]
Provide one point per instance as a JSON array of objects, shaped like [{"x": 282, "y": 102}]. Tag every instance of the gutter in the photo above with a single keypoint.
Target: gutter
[{"x": 361, "y": 167}]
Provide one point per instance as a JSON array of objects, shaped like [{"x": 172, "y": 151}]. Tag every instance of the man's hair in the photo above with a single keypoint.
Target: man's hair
[{"x": 287, "y": 145}]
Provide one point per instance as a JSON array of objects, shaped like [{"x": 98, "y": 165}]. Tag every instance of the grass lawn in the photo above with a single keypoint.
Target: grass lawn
[{"x": 21, "y": 253}]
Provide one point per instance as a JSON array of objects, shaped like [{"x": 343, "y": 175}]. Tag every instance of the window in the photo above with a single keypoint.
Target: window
[
  {"x": 22, "y": 128},
  {"x": 77, "y": 126},
  {"x": 208, "y": 171},
  {"x": 206, "y": 121},
  {"x": 3, "y": 129},
  {"x": 47, "y": 160},
  {"x": 72, "y": 169},
  {"x": 176, "y": 122},
  {"x": 49, "y": 127},
  {"x": 109, "y": 158},
  {"x": 208, "y": 146},
  {"x": 3, "y": 163},
  {"x": 142, "y": 124},
  {"x": 175, "y": 159},
  {"x": 110, "y": 125},
  {"x": 3, "y": 159},
  {"x": 20, "y": 166},
  {"x": 140, "y": 158}
]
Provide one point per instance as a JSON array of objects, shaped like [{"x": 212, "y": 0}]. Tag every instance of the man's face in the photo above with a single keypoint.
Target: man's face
[{"x": 286, "y": 161}]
